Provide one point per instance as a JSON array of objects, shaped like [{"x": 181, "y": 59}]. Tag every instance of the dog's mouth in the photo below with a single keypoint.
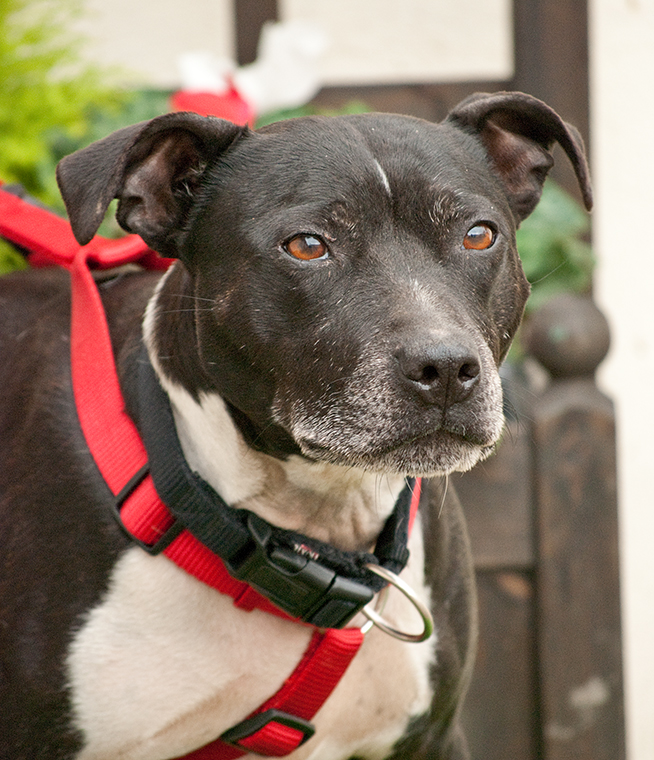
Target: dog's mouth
[
  {"x": 431, "y": 453},
  {"x": 376, "y": 421}
]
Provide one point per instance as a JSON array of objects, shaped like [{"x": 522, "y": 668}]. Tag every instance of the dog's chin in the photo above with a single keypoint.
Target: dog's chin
[{"x": 433, "y": 455}]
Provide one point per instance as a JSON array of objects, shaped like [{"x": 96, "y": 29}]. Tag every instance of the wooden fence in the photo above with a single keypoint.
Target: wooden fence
[{"x": 543, "y": 523}]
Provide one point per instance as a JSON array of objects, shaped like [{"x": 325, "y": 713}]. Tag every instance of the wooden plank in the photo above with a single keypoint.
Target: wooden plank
[
  {"x": 578, "y": 574},
  {"x": 496, "y": 499},
  {"x": 499, "y": 715},
  {"x": 551, "y": 55},
  {"x": 426, "y": 101},
  {"x": 577, "y": 537}
]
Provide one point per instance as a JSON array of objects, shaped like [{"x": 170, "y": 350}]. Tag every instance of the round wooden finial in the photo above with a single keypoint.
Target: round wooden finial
[{"x": 569, "y": 336}]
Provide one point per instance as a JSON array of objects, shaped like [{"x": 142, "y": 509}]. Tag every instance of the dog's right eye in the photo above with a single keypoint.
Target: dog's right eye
[
  {"x": 306, "y": 248},
  {"x": 479, "y": 238}
]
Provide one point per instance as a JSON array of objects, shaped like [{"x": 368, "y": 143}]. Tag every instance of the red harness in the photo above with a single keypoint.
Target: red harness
[{"x": 282, "y": 723}]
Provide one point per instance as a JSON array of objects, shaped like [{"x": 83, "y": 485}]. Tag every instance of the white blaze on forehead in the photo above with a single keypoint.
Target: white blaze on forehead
[{"x": 383, "y": 177}]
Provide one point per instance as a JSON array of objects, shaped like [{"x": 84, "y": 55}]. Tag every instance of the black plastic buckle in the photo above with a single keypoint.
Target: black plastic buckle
[
  {"x": 167, "y": 538},
  {"x": 251, "y": 725},
  {"x": 297, "y": 584}
]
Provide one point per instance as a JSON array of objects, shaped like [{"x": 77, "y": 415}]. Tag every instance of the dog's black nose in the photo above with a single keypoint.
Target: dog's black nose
[{"x": 442, "y": 373}]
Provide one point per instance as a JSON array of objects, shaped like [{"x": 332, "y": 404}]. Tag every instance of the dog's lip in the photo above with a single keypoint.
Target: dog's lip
[
  {"x": 309, "y": 446},
  {"x": 418, "y": 457}
]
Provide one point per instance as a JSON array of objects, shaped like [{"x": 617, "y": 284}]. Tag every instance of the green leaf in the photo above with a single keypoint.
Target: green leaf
[
  {"x": 47, "y": 89},
  {"x": 552, "y": 246},
  {"x": 10, "y": 259}
]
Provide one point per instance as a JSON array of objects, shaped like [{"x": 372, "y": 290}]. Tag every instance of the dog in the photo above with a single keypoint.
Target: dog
[{"x": 344, "y": 291}]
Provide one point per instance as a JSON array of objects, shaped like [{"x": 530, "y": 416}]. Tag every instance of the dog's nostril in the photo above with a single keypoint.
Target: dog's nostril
[
  {"x": 469, "y": 371},
  {"x": 429, "y": 374},
  {"x": 442, "y": 374}
]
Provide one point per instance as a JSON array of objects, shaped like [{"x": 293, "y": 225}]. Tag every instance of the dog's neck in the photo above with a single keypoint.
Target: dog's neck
[{"x": 345, "y": 507}]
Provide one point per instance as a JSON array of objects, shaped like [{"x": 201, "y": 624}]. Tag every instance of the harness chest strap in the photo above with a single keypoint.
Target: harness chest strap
[{"x": 282, "y": 723}]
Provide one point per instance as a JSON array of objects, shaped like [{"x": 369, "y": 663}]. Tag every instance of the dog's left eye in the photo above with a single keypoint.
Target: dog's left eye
[
  {"x": 306, "y": 247},
  {"x": 479, "y": 238}
]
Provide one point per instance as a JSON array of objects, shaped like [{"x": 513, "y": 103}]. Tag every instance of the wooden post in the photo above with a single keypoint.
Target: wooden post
[
  {"x": 500, "y": 715},
  {"x": 249, "y": 17},
  {"x": 577, "y": 601}
]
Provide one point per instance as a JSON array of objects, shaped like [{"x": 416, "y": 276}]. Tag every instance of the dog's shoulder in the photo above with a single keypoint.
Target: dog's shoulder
[
  {"x": 23, "y": 294},
  {"x": 35, "y": 316}
]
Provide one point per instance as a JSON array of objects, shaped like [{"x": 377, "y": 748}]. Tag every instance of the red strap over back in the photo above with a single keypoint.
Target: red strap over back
[
  {"x": 50, "y": 240},
  {"x": 119, "y": 453}
]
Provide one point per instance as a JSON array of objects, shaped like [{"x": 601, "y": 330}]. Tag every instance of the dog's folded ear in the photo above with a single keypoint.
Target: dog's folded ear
[
  {"x": 153, "y": 168},
  {"x": 517, "y": 131}
]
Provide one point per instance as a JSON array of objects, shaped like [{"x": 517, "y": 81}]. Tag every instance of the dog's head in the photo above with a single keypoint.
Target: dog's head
[{"x": 355, "y": 282}]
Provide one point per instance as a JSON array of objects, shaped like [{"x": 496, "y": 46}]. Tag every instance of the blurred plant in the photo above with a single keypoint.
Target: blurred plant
[
  {"x": 553, "y": 248},
  {"x": 10, "y": 259},
  {"x": 52, "y": 102},
  {"x": 48, "y": 93}
]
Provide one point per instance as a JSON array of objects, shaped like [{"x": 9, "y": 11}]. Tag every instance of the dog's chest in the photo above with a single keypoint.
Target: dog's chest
[{"x": 165, "y": 664}]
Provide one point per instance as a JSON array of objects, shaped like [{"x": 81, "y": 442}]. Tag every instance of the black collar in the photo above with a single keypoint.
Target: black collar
[{"x": 294, "y": 571}]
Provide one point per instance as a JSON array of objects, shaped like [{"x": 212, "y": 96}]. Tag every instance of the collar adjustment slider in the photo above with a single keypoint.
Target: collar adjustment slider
[{"x": 251, "y": 726}]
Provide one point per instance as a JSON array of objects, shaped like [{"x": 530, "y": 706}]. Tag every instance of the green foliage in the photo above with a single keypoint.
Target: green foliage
[
  {"x": 10, "y": 259},
  {"x": 555, "y": 255},
  {"x": 47, "y": 95},
  {"x": 52, "y": 103}
]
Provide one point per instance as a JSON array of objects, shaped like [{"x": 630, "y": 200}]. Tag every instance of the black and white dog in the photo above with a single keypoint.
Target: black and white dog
[{"x": 345, "y": 291}]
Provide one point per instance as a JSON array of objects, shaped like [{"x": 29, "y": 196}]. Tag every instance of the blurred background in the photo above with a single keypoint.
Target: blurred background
[{"x": 566, "y": 621}]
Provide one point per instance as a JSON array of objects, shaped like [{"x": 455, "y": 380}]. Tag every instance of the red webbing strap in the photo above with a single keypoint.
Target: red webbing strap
[
  {"x": 148, "y": 519},
  {"x": 111, "y": 435},
  {"x": 109, "y": 432},
  {"x": 415, "y": 502},
  {"x": 50, "y": 240},
  {"x": 304, "y": 692}
]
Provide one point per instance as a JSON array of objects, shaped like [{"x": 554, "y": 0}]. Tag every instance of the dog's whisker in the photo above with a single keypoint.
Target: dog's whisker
[
  {"x": 182, "y": 311},
  {"x": 445, "y": 489},
  {"x": 193, "y": 297},
  {"x": 549, "y": 274}
]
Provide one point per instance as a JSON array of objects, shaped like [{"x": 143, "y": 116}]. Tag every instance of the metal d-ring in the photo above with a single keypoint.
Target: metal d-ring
[
  {"x": 380, "y": 603},
  {"x": 376, "y": 619}
]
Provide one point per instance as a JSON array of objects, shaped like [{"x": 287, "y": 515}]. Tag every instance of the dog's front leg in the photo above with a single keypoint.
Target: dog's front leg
[{"x": 450, "y": 573}]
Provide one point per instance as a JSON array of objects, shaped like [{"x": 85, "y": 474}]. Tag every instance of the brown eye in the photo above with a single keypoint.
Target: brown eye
[
  {"x": 306, "y": 247},
  {"x": 479, "y": 238}
]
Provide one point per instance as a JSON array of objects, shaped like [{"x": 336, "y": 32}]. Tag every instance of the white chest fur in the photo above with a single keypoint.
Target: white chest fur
[{"x": 165, "y": 664}]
